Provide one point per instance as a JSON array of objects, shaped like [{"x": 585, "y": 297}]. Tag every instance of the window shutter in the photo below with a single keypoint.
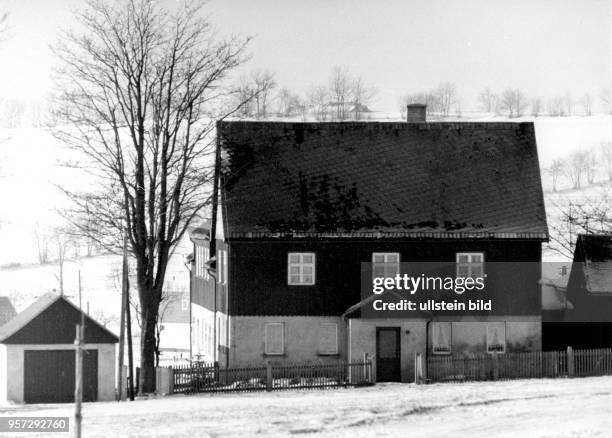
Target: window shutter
[
  {"x": 328, "y": 338},
  {"x": 274, "y": 338}
]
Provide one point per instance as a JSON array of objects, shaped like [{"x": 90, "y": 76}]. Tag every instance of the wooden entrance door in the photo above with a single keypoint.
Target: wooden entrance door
[{"x": 388, "y": 351}]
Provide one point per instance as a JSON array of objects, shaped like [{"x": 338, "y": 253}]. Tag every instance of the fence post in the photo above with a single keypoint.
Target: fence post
[
  {"x": 570, "y": 362},
  {"x": 495, "y": 366},
  {"x": 268, "y": 376},
  {"x": 216, "y": 371},
  {"x": 418, "y": 368}
]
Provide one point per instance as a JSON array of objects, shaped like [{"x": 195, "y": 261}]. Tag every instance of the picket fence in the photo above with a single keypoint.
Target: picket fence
[
  {"x": 206, "y": 377},
  {"x": 536, "y": 364}
]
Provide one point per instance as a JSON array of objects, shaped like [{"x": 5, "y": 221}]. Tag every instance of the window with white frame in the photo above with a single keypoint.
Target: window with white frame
[
  {"x": 301, "y": 268},
  {"x": 274, "y": 343},
  {"x": 470, "y": 264},
  {"x": 385, "y": 264},
  {"x": 328, "y": 338},
  {"x": 496, "y": 337},
  {"x": 222, "y": 266},
  {"x": 441, "y": 335},
  {"x": 202, "y": 254}
]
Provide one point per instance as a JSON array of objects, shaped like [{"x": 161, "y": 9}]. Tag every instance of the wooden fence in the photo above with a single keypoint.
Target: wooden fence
[
  {"x": 206, "y": 377},
  {"x": 536, "y": 364}
]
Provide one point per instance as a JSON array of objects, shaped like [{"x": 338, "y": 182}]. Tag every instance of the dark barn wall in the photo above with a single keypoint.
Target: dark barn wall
[{"x": 258, "y": 272}]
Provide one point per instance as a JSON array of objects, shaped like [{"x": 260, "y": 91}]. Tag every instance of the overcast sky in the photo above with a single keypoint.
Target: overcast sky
[{"x": 543, "y": 46}]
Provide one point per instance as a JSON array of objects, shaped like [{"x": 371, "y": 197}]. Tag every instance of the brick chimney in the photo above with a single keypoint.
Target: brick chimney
[{"x": 417, "y": 112}]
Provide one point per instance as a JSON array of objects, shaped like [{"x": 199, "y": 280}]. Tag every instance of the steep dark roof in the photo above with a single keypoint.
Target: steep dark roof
[
  {"x": 7, "y": 311},
  {"x": 593, "y": 257},
  {"x": 448, "y": 180},
  {"x": 52, "y": 320}
]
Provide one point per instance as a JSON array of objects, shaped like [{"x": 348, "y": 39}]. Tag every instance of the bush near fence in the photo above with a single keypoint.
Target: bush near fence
[
  {"x": 535, "y": 364},
  {"x": 207, "y": 377}
]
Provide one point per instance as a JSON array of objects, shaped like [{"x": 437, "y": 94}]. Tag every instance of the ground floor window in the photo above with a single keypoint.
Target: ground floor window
[
  {"x": 274, "y": 338},
  {"x": 328, "y": 338},
  {"x": 441, "y": 334},
  {"x": 496, "y": 337}
]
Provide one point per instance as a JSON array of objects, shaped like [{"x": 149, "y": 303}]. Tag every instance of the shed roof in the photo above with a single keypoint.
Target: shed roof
[{"x": 52, "y": 320}]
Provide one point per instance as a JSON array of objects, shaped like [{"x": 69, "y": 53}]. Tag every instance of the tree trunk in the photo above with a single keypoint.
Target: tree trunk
[{"x": 148, "y": 316}]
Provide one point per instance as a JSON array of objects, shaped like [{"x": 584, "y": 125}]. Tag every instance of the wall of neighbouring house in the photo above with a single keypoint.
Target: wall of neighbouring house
[
  {"x": 301, "y": 339},
  {"x": 203, "y": 337},
  {"x": 13, "y": 359}
]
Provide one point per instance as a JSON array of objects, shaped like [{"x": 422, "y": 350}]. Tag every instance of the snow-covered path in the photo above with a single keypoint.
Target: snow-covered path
[{"x": 568, "y": 408}]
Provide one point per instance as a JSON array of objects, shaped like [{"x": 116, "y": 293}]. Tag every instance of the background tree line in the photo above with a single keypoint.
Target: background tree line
[{"x": 582, "y": 167}]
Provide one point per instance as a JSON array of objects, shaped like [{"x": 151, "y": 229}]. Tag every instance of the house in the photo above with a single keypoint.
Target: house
[
  {"x": 37, "y": 355},
  {"x": 299, "y": 207},
  {"x": 174, "y": 309},
  {"x": 587, "y": 321}
]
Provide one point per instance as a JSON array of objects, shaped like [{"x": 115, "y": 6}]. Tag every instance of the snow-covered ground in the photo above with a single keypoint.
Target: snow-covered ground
[{"x": 565, "y": 408}]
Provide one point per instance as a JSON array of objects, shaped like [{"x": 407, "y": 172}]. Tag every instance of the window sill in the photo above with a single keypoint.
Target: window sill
[
  {"x": 274, "y": 355},
  {"x": 328, "y": 354}
]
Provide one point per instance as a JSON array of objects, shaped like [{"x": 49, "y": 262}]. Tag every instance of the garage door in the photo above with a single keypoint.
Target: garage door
[{"x": 49, "y": 376}]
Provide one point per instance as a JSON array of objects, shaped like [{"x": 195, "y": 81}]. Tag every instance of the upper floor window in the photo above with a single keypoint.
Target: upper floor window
[
  {"x": 222, "y": 266},
  {"x": 301, "y": 268},
  {"x": 202, "y": 255},
  {"x": 470, "y": 264},
  {"x": 385, "y": 264}
]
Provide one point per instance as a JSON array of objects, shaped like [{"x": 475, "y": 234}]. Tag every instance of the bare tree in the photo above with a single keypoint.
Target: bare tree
[
  {"x": 318, "y": 99},
  {"x": 513, "y": 102},
  {"x": 488, "y": 101},
  {"x": 575, "y": 168},
  {"x": 606, "y": 157},
  {"x": 606, "y": 99},
  {"x": 263, "y": 84},
  {"x": 340, "y": 91},
  {"x": 587, "y": 104},
  {"x": 361, "y": 95},
  {"x": 591, "y": 164},
  {"x": 62, "y": 242},
  {"x": 568, "y": 101},
  {"x": 446, "y": 97},
  {"x": 140, "y": 91},
  {"x": 537, "y": 105},
  {"x": 555, "y": 170},
  {"x": 556, "y": 106},
  {"x": 591, "y": 215},
  {"x": 42, "y": 244}
]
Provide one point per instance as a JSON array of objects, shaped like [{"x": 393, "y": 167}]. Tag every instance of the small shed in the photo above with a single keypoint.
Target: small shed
[{"x": 37, "y": 355}]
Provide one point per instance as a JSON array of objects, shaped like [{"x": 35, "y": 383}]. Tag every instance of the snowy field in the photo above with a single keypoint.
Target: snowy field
[{"x": 565, "y": 408}]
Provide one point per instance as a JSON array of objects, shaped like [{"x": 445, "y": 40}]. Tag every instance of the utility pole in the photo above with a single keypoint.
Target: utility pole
[
  {"x": 78, "y": 387},
  {"x": 128, "y": 315},
  {"x": 124, "y": 304}
]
